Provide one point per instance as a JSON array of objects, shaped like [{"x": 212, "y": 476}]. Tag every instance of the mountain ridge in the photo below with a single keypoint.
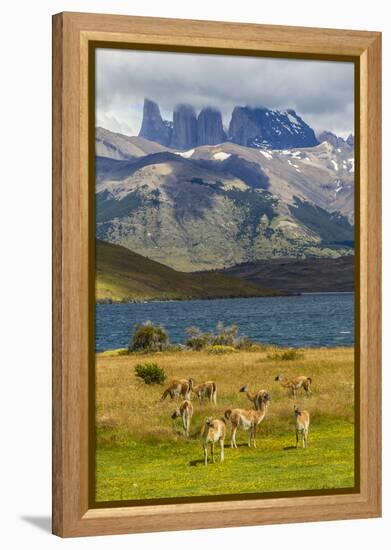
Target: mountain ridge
[
  {"x": 224, "y": 205},
  {"x": 299, "y": 275},
  {"x": 125, "y": 276},
  {"x": 256, "y": 127}
]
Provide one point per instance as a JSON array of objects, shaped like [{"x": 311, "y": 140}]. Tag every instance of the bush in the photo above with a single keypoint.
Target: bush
[
  {"x": 288, "y": 355},
  {"x": 151, "y": 373},
  {"x": 198, "y": 340},
  {"x": 224, "y": 336},
  {"x": 148, "y": 337},
  {"x": 245, "y": 343},
  {"x": 219, "y": 349}
]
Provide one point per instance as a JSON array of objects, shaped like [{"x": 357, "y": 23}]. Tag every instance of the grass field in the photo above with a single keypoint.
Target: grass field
[{"x": 141, "y": 453}]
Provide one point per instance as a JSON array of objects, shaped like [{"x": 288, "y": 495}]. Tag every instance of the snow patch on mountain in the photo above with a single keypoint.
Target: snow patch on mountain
[
  {"x": 267, "y": 154},
  {"x": 221, "y": 155},
  {"x": 185, "y": 154}
]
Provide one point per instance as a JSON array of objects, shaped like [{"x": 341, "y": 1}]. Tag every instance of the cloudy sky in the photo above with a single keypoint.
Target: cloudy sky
[{"x": 321, "y": 92}]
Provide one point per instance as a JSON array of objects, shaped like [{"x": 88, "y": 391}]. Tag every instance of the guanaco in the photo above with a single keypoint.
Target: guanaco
[
  {"x": 255, "y": 398},
  {"x": 179, "y": 388},
  {"x": 295, "y": 383},
  {"x": 248, "y": 420},
  {"x": 213, "y": 431},
  {"x": 302, "y": 426},
  {"x": 206, "y": 390},
  {"x": 185, "y": 411}
]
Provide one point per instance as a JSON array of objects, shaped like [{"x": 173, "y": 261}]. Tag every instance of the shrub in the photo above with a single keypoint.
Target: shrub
[
  {"x": 198, "y": 340},
  {"x": 148, "y": 337},
  {"x": 224, "y": 336},
  {"x": 220, "y": 349},
  {"x": 245, "y": 343},
  {"x": 151, "y": 373},
  {"x": 288, "y": 355}
]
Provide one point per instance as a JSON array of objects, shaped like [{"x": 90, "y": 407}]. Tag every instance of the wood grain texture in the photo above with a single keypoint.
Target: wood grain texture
[
  {"x": 71, "y": 218},
  {"x": 57, "y": 436}
]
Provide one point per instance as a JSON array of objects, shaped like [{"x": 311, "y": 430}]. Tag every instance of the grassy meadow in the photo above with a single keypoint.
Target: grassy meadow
[{"x": 141, "y": 453}]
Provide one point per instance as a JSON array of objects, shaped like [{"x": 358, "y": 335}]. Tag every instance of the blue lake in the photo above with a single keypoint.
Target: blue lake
[{"x": 310, "y": 320}]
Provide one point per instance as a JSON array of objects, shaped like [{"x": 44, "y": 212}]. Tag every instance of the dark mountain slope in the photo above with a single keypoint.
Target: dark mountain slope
[
  {"x": 123, "y": 275},
  {"x": 294, "y": 275}
]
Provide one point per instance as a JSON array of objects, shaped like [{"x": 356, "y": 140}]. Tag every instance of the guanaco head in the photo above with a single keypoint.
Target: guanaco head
[
  {"x": 244, "y": 388},
  {"x": 191, "y": 383},
  {"x": 278, "y": 378},
  {"x": 176, "y": 413},
  {"x": 265, "y": 397},
  {"x": 209, "y": 421},
  {"x": 297, "y": 410}
]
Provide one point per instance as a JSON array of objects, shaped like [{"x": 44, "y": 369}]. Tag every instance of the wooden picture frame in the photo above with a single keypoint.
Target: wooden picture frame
[{"x": 73, "y": 252}]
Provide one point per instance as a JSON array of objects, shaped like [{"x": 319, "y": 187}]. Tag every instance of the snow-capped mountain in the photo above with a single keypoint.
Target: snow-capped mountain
[
  {"x": 259, "y": 127},
  {"x": 269, "y": 129}
]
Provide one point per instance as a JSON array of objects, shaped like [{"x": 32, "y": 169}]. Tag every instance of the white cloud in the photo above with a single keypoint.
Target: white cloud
[{"x": 322, "y": 92}]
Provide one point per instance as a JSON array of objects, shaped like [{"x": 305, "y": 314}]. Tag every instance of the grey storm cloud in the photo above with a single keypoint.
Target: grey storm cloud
[{"x": 321, "y": 92}]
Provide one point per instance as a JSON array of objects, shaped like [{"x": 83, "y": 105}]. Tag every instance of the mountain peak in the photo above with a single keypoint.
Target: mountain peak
[
  {"x": 334, "y": 140},
  {"x": 210, "y": 127},
  {"x": 257, "y": 127},
  {"x": 184, "y": 133},
  {"x": 153, "y": 126},
  {"x": 269, "y": 128}
]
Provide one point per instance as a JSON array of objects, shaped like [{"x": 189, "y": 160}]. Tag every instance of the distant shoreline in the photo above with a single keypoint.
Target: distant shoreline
[{"x": 154, "y": 300}]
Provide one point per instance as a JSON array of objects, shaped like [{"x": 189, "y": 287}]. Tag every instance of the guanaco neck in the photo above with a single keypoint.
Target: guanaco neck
[
  {"x": 261, "y": 412},
  {"x": 251, "y": 396}
]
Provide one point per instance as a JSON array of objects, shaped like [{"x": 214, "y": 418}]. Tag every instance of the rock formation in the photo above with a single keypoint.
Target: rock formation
[
  {"x": 210, "y": 127},
  {"x": 153, "y": 126},
  {"x": 252, "y": 127},
  {"x": 184, "y": 132},
  {"x": 269, "y": 129}
]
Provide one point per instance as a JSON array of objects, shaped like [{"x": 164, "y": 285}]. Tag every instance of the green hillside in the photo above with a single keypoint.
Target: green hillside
[{"x": 123, "y": 275}]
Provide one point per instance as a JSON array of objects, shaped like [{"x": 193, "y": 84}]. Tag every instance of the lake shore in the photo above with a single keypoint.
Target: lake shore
[{"x": 311, "y": 320}]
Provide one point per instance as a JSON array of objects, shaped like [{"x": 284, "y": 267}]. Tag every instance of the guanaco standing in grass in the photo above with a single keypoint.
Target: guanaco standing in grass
[
  {"x": 185, "y": 411},
  {"x": 178, "y": 388},
  {"x": 295, "y": 383},
  {"x": 248, "y": 420},
  {"x": 207, "y": 390},
  {"x": 213, "y": 431},
  {"x": 302, "y": 426},
  {"x": 255, "y": 398}
]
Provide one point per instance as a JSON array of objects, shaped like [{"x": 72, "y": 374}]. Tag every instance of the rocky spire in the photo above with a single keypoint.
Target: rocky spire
[
  {"x": 210, "y": 127},
  {"x": 184, "y": 133},
  {"x": 242, "y": 129},
  {"x": 153, "y": 126}
]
